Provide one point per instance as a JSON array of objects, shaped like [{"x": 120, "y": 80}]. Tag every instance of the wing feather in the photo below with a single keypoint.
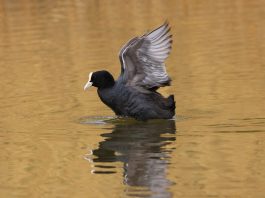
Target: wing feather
[{"x": 142, "y": 59}]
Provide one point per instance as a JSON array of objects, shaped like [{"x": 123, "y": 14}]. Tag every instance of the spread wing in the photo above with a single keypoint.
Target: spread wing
[{"x": 142, "y": 59}]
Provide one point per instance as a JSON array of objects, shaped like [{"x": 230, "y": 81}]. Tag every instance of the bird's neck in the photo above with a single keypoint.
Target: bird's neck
[{"x": 108, "y": 85}]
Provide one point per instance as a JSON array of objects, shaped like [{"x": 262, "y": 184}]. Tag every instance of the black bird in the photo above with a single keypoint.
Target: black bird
[{"x": 143, "y": 72}]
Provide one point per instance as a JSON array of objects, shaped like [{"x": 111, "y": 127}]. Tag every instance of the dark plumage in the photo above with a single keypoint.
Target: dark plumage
[{"x": 143, "y": 71}]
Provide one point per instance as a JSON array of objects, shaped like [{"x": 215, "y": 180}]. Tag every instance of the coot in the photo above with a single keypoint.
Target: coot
[{"x": 143, "y": 72}]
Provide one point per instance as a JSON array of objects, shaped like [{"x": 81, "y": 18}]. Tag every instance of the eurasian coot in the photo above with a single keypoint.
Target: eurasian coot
[{"x": 134, "y": 93}]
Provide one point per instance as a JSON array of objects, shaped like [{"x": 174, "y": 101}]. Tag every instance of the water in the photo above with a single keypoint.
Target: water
[{"x": 59, "y": 141}]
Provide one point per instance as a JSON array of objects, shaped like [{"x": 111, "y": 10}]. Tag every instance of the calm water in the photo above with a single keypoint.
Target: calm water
[{"x": 58, "y": 141}]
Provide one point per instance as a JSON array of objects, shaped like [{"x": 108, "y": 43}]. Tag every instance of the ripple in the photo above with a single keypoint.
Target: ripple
[
  {"x": 102, "y": 120},
  {"x": 98, "y": 120}
]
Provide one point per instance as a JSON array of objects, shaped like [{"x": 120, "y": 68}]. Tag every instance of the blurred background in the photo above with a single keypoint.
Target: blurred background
[{"x": 58, "y": 141}]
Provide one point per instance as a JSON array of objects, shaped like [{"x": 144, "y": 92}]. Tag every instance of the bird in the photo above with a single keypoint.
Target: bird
[{"x": 135, "y": 93}]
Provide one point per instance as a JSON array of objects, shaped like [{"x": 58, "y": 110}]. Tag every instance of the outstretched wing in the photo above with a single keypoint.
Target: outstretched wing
[{"x": 142, "y": 59}]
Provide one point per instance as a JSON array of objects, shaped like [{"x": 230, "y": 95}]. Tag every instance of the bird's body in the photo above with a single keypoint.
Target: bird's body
[
  {"x": 128, "y": 101},
  {"x": 143, "y": 71}
]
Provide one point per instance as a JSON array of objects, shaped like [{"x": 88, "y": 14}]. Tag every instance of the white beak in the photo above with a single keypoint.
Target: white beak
[{"x": 87, "y": 85}]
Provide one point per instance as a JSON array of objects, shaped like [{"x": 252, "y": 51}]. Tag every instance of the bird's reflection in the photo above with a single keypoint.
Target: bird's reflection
[{"x": 141, "y": 147}]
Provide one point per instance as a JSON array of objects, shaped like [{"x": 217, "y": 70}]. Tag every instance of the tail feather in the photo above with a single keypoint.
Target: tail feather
[{"x": 171, "y": 103}]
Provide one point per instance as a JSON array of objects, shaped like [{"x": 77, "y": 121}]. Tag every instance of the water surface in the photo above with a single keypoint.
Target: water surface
[{"x": 58, "y": 141}]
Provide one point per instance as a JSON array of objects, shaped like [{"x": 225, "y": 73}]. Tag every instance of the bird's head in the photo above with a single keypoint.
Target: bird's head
[{"x": 99, "y": 79}]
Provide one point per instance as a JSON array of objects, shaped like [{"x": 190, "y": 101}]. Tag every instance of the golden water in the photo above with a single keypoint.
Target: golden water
[{"x": 54, "y": 137}]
